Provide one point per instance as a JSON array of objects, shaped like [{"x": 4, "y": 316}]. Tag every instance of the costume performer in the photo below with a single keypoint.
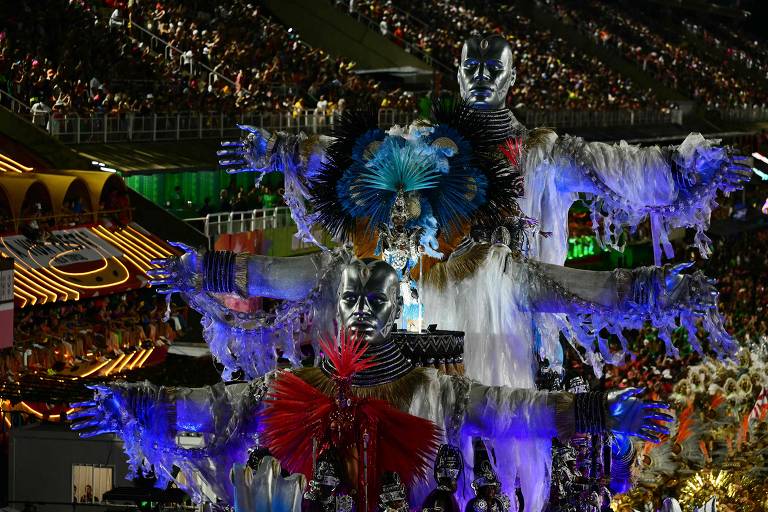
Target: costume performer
[
  {"x": 419, "y": 188},
  {"x": 449, "y": 466},
  {"x": 488, "y": 496}
]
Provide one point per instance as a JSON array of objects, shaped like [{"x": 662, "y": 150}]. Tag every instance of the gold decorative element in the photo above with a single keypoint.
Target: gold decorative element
[
  {"x": 471, "y": 189},
  {"x": 445, "y": 143},
  {"x": 537, "y": 137},
  {"x": 399, "y": 392},
  {"x": 413, "y": 206},
  {"x": 457, "y": 268}
]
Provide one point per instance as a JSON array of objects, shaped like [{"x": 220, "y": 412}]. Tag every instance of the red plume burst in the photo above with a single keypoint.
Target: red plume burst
[
  {"x": 347, "y": 357},
  {"x": 297, "y": 417},
  {"x": 513, "y": 150}
]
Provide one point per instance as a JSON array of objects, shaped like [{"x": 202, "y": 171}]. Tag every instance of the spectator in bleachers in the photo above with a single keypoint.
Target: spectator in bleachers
[{"x": 224, "y": 203}]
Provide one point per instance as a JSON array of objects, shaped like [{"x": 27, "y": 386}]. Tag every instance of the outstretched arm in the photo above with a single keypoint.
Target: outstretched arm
[
  {"x": 259, "y": 151},
  {"x": 206, "y": 279},
  {"x": 148, "y": 418},
  {"x": 502, "y": 412},
  {"x": 248, "y": 275},
  {"x": 558, "y": 289},
  {"x": 674, "y": 186},
  {"x": 621, "y": 299},
  {"x": 297, "y": 156},
  {"x": 162, "y": 412}
]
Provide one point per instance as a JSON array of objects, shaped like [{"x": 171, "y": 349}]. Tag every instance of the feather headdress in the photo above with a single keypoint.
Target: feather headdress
[{"x": 455, "y": 173}]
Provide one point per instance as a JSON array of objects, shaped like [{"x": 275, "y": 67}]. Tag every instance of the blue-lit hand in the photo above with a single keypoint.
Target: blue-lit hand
[
  {"x": 734, "y": 174},
  {"x": 631, "y": 416},
  {"x": 247, "y": 154},
  {"x": 714, "y": 166},
  {"x": 181, "y": 274},
  {"x": 693, "y": 290},
  {"x": 102, "y": 415}
]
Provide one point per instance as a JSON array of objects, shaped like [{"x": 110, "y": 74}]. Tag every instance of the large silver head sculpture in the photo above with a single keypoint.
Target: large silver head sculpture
[
  {"x": 369, "y": 300},
  {"x": 486, "y": 72}
]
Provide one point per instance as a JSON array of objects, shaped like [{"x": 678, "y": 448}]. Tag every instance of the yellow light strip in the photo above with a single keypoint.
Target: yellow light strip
[
  {"x": 127, "y": 360},
  {"x": 77, "y": 274},
  {"x": 95, "y": 369},
  {"x": 15, "y": 163},
  {"x": 163, "y": 251},
  {"x": 36, "y": 274},
  {"x": 45, "y": 270},
  {"x": 117, "y": 361},
  {"x": 24, "y": 301},
  {"x": 106, "y": 236},
  {"x": 17, "y": 288},
  {"x": 139, "y": 238},
  {"x": 146, "y": 356},
  {"x": 8, "y": 168},
  {"x": 7, "y": 420},
  {"x": 30, "y": 410},
  {"x": 43, "y": 280},
  {"x": 33, "y": 297},
  {"x": 136, "y": 360},
  {"x": 49, "y": 286},
  {"x": 33, "y": 287},
  {"x": 106, "y": 285},
  {"x": 53, "y": 281},
  {"x": 38, "y": 414},
  {"x": 140, "y": 253}
]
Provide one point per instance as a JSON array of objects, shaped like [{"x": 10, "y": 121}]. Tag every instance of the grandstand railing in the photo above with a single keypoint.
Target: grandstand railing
[
  {"x": 170, "y": 52},
  {"x": 744, "y": 114},
  {"x": 215, "y": 224},
  {"x": 14, "y": 105},
  {"x": 596, "y": 119},
  {"x": 131, "y": 127}
]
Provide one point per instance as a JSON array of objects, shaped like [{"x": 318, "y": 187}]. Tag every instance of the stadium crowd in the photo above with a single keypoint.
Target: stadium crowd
[
  {"x": 235, "y": 57},
  {"x": 89, "y": 70},
  {"x": 714, "y": 78},
  {"x": 65, "y": 335},
  {"x": 220, "y": 63},
  {"x": 269, "y": 66}
]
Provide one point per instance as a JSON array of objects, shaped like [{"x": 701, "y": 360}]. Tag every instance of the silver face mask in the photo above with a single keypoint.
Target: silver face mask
[
  {"x": 369, "y": 300},
  {"x": 486, "y": 72}
]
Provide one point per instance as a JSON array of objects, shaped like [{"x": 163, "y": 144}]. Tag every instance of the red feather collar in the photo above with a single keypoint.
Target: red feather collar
[{"x": 298, "y": 420}]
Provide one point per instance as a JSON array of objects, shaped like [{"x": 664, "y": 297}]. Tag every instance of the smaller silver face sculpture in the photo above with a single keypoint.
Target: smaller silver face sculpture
[
  {"x": 369, "y": 300},
  {"x": 486, "y": 72}
]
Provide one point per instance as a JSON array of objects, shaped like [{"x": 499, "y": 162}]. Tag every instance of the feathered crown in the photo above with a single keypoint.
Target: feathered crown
[{"x": 448, "y": 167}]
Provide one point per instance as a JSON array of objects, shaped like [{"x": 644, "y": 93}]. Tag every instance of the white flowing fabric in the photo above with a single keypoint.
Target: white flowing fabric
[
  {"x": 492, "y": 309},
  {"x": 640, "y": 176}
]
